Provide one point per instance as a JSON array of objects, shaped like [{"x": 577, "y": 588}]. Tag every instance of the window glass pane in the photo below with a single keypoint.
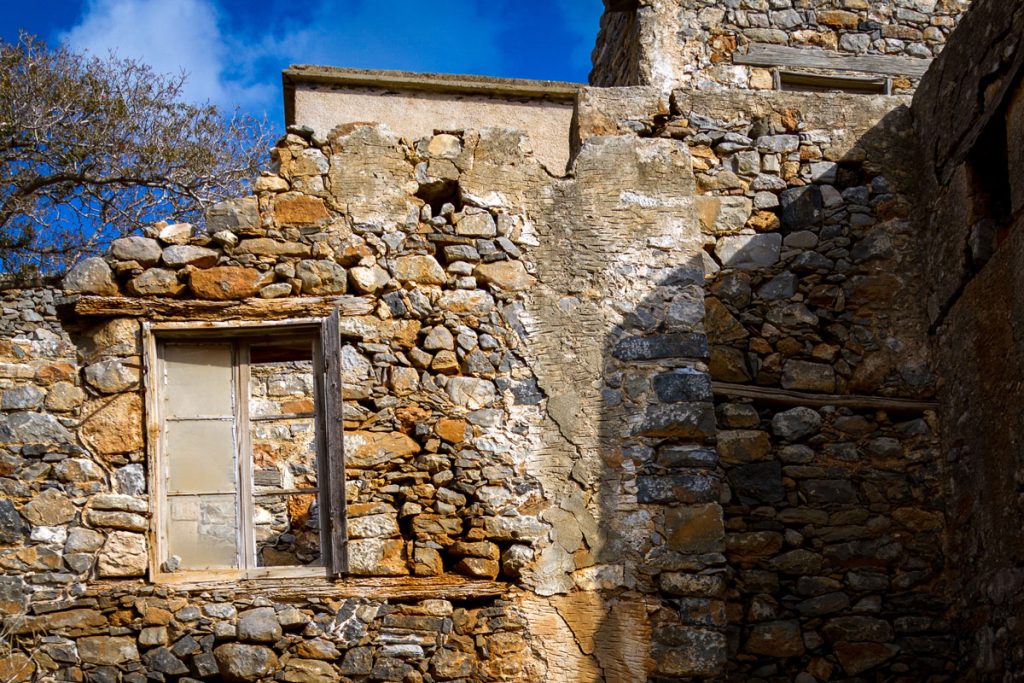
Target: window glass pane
[
  {"x": 199, "y": 452},
  {"x": 197, "y": 380},
  {"x": 200, "y": 456},
  {"x": 203, "y": 531}
]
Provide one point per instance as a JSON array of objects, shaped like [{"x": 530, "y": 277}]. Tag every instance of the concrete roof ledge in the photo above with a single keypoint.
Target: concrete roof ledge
[{"x": 427, "y": 82}]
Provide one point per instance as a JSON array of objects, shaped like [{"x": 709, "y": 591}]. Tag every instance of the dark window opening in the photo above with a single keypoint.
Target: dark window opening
[{"x": 990, "y": 196}]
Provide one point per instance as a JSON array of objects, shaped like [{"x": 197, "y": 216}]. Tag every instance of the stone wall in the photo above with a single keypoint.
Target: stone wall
[
  {"x": 690, "y": 43},
  {"x": 525, "y": 403},
  {"x": 969, "y": 128},
  {"x": 827, "y": 437},
  {"x": 616, "y": 55},
  {"x": 733, "y": 400}
]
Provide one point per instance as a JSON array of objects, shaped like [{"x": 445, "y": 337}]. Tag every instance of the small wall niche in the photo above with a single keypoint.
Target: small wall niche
[
  {"x": 991, "y": 203},
  {"x": 795, "y": 81}
]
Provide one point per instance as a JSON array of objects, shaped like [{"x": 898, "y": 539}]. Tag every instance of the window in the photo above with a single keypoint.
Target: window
[{"x": 247, "y": 466}]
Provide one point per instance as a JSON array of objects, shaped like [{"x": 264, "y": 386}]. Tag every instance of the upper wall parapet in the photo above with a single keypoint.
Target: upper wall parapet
[
  {"x": 416, "y": 105},
  {"x": 851, "y": 45}
]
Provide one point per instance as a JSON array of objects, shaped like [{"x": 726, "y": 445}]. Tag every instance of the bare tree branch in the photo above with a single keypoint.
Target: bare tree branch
[{"x": 93, "y": 148}]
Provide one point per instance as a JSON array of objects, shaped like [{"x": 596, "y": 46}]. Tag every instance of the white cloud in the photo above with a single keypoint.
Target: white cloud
[
  {"x": 175, "y": 36},
  {"x": 234, "y": 66},
  {"x": 453, "y": 36}
]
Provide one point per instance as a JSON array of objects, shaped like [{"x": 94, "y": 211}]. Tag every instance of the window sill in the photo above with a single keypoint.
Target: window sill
[
  {"x": 295, "y": 588},
  {"x": 236, "y": 575}
]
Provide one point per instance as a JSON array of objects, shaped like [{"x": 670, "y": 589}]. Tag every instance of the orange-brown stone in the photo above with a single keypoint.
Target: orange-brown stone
[
  {"x": 300, "y": 211},
  {"x": 838, "y": 19},
  {"x": 16, "y": 667},
  {"x": 451, "y": 430},
  {"x": 409, "y": 416},
  {"x": 791, "y": 120},
  {"x": 918, "y": 520},
  {"x": 113, "y": 425},
  {"x": 301, "y": 405},
  {"x": 225, "y": 283},
  {"x": 510, "y": 276},
  {"x": 446, "y": 363},
  {"x": 370, "y": 449},
  {"x": 298, "y": 508},
  {"x": 764, "y": 221},
  {"x": 56, "y": 372},
  {"x": 478, "y": 568}
]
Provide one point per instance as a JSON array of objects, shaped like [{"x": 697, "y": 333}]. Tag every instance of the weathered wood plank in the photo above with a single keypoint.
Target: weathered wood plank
[
  {"x": 486, "y": 86},
  {"x": 337, "y": 530},
  {"x": 255, "y": 309},
  {"x": 803, "y": 81},
  {"x": 760, "y": 54},
  {"x": 775, "y": 396}
]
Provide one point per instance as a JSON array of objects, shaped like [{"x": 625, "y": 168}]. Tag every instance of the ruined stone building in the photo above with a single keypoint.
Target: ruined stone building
[{"x": 708, "y": 371}]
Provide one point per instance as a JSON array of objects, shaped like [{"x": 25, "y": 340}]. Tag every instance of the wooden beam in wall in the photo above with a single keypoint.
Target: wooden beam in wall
[
  {"x": 773, "y": 396},
  {"x": 761, "y": 54},
  {"x": 175, "y": 309}
]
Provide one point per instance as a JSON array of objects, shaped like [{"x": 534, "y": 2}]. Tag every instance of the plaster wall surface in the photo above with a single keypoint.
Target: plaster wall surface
[{"x": 416, "y": 114}]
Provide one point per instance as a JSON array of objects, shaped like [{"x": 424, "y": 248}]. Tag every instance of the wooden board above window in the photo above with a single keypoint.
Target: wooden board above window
[{"x": 770, "y": 56}]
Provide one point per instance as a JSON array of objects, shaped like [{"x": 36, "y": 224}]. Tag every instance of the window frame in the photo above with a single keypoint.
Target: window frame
[{"x": 328, "y": 428}]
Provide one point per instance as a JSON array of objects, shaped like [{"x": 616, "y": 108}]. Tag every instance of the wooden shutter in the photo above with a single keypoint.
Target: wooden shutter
[{"x": 333, "y": 486}]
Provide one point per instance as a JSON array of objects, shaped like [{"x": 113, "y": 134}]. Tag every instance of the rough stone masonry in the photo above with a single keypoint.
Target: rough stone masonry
[{"x": 734, "y": 399}]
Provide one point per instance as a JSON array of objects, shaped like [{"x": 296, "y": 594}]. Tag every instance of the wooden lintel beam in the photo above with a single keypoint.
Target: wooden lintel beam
[
  {"x": 775, "y": 396},
  {"x": 246, "y": 309},
  {"x": 760, "y": 54}
]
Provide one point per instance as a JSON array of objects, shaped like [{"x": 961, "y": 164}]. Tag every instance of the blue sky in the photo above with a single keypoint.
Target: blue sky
[{"x": 234, "y": 50}]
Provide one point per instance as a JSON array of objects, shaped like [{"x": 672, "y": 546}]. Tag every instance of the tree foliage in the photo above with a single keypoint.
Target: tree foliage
[{"x": 92, "y": 148}]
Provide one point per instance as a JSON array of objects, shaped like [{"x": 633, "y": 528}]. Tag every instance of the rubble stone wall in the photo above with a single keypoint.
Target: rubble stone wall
[
  {"x": 616, "y": 55},
  {"x": 832, "y": 487},
  {"x": 733, "y": 400},
  {"x": 690, "y": 43},
  {"x": 526, "y": 401}
]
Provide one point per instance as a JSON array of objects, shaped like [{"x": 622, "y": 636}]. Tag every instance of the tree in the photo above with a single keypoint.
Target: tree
[{"x": 92, "y": 148}]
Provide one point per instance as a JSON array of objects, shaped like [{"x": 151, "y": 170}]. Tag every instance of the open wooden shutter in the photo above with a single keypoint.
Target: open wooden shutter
[{"x": 333, "y": 486}]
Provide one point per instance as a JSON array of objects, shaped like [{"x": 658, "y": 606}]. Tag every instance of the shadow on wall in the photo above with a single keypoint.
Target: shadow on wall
[
  {"x": 833, "y": 555},
  {"x": 660, "y": 489},
  {"x": 836, "y": 512}
]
